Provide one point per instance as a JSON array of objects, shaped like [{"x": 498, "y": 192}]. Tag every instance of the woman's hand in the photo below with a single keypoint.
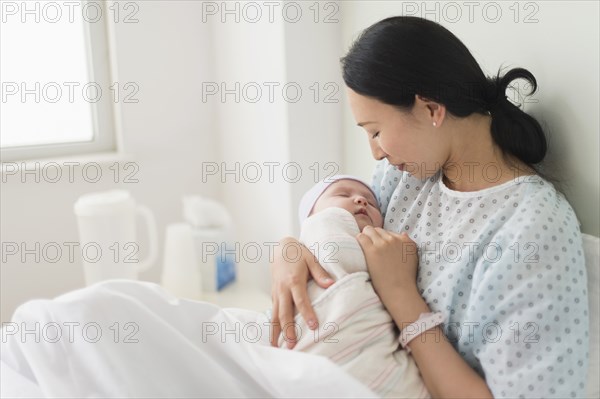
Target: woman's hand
[
  {"x": 392, "y": 261},
  {"x": 292, "y": 267}
]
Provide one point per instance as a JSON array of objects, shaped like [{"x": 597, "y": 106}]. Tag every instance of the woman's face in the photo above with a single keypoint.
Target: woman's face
[{"x": 407, "y": 139}]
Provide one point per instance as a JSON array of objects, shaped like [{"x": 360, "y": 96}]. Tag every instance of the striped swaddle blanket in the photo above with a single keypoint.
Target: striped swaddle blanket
[{"x": 355, "y": 330}]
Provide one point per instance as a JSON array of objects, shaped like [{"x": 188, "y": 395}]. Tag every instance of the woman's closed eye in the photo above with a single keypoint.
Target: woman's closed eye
[{"x": 375, "y": 135}]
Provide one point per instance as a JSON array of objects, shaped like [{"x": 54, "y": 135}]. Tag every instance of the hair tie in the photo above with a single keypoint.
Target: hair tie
[{"x": 495, "y": 94}]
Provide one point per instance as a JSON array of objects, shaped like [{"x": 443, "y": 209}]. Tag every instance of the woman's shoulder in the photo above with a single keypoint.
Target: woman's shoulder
[
  {"x": 539, "y": 230},
  {"x": 539, "y": 205}
]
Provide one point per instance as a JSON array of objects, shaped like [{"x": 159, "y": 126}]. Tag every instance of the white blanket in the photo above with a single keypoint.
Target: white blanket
[
  {"x": 355, "y": 329},
  {"x": 131, "y": 339}
]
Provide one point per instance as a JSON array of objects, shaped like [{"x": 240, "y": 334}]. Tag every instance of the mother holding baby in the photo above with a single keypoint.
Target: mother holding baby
[{"x": 492, "y": 247}]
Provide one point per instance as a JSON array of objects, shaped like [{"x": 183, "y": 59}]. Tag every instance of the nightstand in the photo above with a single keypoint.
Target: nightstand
[{"x": 236, "y": 295}]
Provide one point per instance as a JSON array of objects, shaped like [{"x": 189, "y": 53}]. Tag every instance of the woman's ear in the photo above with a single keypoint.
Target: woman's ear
[{"x": 435, "y": 111}]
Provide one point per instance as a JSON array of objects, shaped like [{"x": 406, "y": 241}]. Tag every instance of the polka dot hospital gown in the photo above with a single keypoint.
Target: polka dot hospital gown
[{"x": 506, "y": 267}]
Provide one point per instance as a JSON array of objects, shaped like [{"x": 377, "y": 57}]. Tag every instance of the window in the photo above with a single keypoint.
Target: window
[{"x": 56, "y": 95}]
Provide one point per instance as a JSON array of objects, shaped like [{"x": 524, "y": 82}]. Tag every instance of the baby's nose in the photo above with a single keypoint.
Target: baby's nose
[{"x": 361, "y": 200}]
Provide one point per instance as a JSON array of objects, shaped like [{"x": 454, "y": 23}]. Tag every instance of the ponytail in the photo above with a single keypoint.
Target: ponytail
[{"x": 514, "y": 131}]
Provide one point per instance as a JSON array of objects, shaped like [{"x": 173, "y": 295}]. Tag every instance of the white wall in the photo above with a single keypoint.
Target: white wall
[
  {"x": 286, "y": 131},
  {"x": 561, "y": 49}
]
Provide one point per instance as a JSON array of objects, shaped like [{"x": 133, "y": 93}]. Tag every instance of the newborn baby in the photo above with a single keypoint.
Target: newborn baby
[{"x": 355, "y": 330}]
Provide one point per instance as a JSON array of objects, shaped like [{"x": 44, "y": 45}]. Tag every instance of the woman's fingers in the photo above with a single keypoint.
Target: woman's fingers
[
  {"x": 281, "y": 320},
  {"x": 371, "y": 235},
  {"x": 302, "y": 301},
  {"x": 321, "y": 277},
  {"x": 379, "y": 236},
  {"x": 291, "y": 271},
  {"x": 274, "y": 326},
  {"x": 286, "y": 320}
]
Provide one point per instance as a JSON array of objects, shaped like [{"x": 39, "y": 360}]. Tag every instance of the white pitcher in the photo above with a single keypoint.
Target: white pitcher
[{"x": 107, "y": 234}]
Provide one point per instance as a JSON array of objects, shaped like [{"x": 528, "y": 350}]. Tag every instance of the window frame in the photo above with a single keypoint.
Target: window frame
[{"x": 99, "y": 61}]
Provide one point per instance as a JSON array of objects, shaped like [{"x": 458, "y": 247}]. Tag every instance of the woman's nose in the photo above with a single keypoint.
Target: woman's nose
[{"x": 376, "y": 150}]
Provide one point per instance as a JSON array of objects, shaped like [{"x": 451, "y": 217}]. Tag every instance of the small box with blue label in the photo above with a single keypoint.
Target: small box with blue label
[
  {"x": 213, "y": 242},
  {"x": 225, "y": 269}
]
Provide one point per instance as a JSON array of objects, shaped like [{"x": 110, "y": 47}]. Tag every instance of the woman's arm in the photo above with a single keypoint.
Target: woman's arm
[
  {"x": 292, "y": 267},
  {"x": 392, "y": 261},
  {"x": 444, "y": 372}
]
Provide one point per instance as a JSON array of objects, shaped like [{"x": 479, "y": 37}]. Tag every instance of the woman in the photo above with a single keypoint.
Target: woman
[{"x": 492, "y": 246}]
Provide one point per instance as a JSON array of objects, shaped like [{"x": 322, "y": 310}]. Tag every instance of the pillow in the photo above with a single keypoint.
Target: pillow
[{"x": 591, "y": 249}]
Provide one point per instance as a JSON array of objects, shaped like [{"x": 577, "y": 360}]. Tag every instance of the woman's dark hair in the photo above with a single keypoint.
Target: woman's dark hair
[{"x": 399, "y": 57}]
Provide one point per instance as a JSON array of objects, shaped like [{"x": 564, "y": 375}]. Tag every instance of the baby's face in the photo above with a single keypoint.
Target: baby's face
[{"x": 354, "y": 197}]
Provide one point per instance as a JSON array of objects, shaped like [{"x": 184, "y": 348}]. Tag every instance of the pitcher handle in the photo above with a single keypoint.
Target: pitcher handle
[{"x": 150, "y": 221}]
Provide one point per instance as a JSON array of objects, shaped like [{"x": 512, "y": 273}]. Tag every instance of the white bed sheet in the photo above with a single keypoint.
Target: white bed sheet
[
  {"x": 177, "y": 353},
  {"x": 152, "y": 368}
]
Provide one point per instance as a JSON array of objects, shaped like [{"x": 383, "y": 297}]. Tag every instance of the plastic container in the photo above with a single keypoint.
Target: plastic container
[
  {"x": 106, "y": 222},
  {"x": 180, "y": 274},
  {"x": 212, "y": 233}
]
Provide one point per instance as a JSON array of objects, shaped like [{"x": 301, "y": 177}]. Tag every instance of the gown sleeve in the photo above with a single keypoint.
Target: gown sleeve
[{"x": 529, "y": 293}]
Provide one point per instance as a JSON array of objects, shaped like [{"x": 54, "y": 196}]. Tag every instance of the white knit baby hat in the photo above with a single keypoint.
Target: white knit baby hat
[{"x": 311, "y": 196}]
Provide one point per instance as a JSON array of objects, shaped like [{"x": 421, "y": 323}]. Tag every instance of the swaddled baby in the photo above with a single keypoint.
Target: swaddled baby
[{"x": 355, "y": 330}]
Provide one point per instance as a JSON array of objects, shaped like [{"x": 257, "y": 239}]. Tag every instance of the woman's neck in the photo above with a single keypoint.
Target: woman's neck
[{"x": 475, "y": 161}]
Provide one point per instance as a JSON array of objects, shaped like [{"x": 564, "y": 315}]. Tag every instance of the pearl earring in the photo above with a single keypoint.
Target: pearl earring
[{"x": 434, "y": 124}]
